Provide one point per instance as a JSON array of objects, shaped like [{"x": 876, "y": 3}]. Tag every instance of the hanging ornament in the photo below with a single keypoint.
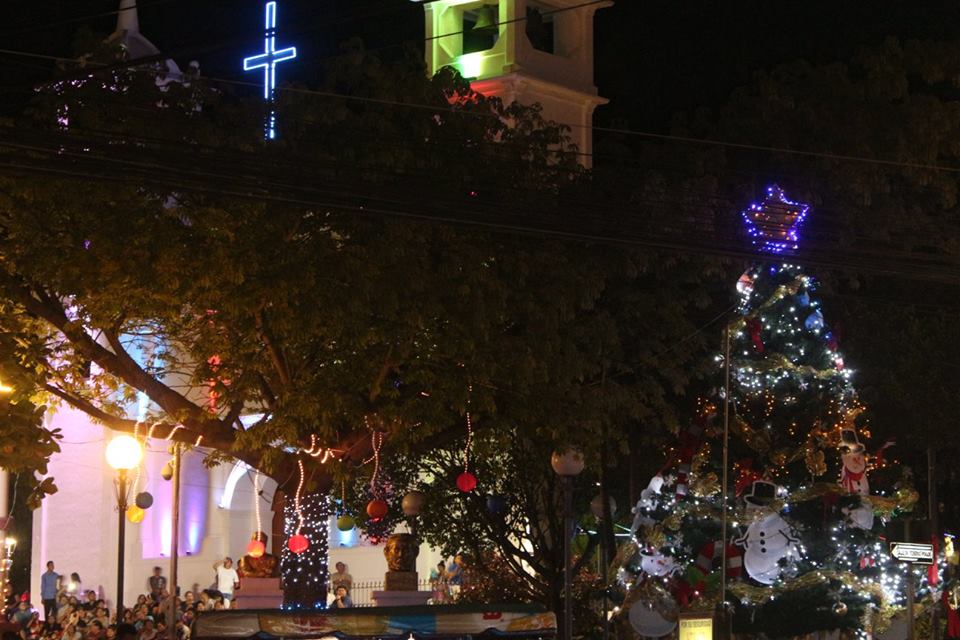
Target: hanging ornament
[
  {"x": 814, "y": 321},
  {"x": 412, "y": 503},
  {"x": 816, "y": 461},
  {"x": 653, "y": 614},
  {"x": 745, "y": 284},
  {"x": 298, "y": 543},
  {"x": 710, "y": 556},
  {"x": 840, "y": 608},
  {"x": 596, "y": 506},
  {"x": 256, "y": 549},
  {"x": 166, "y": 472},
  {"x": 346, "y": 523},
  {"x": 496, "y": 504},
  {"x": 567, "y": 463},
  {"x": 803, "y": 299},
  {"x": 466, "y": 482},
  {"x": 656, "y": 564},
  {"x": 144, "y": 500},
  {"x": 853, "y": 478},
  {"x": 647, "y": 502},
  {"x": 377, "y": 509},
  {"x": 135, "y": 514},
  {"x": 755, "y": 327}
]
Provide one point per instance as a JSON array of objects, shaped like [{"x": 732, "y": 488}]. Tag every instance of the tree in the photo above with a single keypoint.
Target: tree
[
  {"x": 796, "y": 423},
  {"x": 157, "y": 245}
]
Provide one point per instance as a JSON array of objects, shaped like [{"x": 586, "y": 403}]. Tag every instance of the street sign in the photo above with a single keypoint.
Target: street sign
[{"x": 912, "y": 552}]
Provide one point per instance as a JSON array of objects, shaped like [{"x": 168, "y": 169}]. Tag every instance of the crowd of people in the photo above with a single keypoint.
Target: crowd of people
[{"x": 69, "y": 612}]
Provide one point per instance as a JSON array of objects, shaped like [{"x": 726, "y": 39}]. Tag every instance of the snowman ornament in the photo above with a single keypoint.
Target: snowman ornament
[
  {"x": 768, "y": 539},
  {"x": 656, "y": 564},
  {"x": 646, "y": 503},
  {"x": 853, "y": 478}
]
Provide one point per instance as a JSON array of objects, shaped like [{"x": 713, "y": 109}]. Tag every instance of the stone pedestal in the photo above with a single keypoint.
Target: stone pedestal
[
  {"x": 259, "y": 593},
  {"x": 400, "y": 581},
  {"x": 401, "y": 598}
]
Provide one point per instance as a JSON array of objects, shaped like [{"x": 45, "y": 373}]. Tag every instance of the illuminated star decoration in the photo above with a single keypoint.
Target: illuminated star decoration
[
  {"x": 773, "y": 224},
  {"x": 268, "y": 61}
]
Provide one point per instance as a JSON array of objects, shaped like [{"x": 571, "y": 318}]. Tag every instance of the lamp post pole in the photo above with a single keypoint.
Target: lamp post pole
[
  {"x": 122, "y": 490},
  {"x": 174, "y": 542},
  {"x": 123, "y": 453},
  {"x": 567, "y": 464},
  {"x": 567, "y": 561}
]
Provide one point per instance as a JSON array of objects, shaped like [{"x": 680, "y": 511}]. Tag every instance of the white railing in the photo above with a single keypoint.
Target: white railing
[{"x": 362, "y": 592}]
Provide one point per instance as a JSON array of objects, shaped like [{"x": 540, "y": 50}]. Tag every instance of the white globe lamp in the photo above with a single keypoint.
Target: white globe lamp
[{"x": 124, "y": 453}]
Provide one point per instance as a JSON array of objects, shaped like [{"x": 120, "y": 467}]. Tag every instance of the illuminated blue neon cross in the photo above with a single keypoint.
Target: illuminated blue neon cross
[{"x": 268, "y": 61}]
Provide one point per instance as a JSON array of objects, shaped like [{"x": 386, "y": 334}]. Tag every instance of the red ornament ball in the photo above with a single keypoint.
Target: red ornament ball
[
  {"x": 256, "y": 549},
  {"x": 377, "y": 509},
  {"x": 466, "y": 482},
  {"x": 298, "y": 543}
]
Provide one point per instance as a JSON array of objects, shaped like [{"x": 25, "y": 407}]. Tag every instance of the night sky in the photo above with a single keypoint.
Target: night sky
[{"x": 654, "y": 57}]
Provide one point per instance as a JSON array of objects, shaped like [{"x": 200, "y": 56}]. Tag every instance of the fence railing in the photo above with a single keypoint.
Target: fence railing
[{"x": 362, "y": 592}]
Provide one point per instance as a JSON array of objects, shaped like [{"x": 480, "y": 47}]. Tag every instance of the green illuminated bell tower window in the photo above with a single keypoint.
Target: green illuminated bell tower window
[{"x": 480, "y": 28}]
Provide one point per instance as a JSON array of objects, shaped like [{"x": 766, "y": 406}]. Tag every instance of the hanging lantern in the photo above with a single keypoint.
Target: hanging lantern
[
  {"x": 466, "y": 482},
  {"x": 596, "y": 506},
  {"x": 144, "y": 500},
  {"x": 377, "y": 509},
  {"x": 135, "y": 514},
  {"x": 346, "y": 523},
  {"x": 167, "y": 471},
  {"x": 256, "y": 549},
  {"x": 298, "y": 543},
  {"x": 412, "y": 503},
  {"x": 567, "y": 463},
  {"x": 496, "y": 504}
]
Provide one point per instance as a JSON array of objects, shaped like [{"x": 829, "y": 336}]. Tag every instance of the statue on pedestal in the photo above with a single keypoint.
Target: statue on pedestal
[
  {"x": 263, "y": 566},
  {"x": 401, "y": 551}
]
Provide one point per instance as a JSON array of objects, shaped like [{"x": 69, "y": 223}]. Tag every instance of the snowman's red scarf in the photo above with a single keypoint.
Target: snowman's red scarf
[{"x": 848, "y": 479}]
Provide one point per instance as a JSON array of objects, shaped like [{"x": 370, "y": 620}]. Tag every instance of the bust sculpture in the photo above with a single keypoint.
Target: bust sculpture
[
  {"x": 401, "y": 551},
  {"x": 265, "y": 566}
]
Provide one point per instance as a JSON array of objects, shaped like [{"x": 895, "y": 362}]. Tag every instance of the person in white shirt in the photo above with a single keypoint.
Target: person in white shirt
[{"x": 227, "y": 578}]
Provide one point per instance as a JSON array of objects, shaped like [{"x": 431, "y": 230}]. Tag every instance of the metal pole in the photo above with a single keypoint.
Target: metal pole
[
  {"x": 567, "y": 565},
  {"x": 606, "y": 616},
  {"x": 934, "y": 509},
  {"x": 174, "y": 542},
  {"x": 726, "y": 461},
  {"x": 911, "y": 596},
  {"x": 121, "y": 537}
]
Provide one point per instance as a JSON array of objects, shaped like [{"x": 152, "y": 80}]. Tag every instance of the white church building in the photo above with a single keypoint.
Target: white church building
[{"x": 526, "y": 50}]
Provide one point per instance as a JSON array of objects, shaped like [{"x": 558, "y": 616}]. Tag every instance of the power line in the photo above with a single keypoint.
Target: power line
[{"x": 496, "y": 216}]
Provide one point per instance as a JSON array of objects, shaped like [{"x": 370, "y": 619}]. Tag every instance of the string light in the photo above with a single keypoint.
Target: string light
[{"x": 296, "y": 497}]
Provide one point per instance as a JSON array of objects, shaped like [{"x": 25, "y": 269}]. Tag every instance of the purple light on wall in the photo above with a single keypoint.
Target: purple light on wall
[
  {"x": 773, "y": 225},
  {"x": 194, "y": 495}
]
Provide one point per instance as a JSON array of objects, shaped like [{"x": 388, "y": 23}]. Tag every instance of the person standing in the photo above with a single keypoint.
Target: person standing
[
  {"x": 340, "y": 578},
  {"x": 158, "y": 584},
  {"x": 227, "y": 578},
  {"x": 49, "y": 586}
]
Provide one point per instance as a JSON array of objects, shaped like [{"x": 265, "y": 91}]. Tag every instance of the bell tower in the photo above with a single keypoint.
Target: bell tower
[{"x": 521, "y": 50}]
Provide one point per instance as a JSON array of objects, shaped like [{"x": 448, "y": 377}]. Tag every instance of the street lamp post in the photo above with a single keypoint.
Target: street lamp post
[
  {"x": 567, "y": 464},
  {"x": 123, "y": 453}
]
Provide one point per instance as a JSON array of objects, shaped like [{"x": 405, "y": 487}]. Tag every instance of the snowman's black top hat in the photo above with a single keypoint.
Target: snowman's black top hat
[
  {"x": 849, "y": 443},
  {"x": 761, "y": 493}
]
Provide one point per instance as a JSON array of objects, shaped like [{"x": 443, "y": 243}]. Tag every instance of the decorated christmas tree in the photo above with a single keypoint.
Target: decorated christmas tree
[{"x": 800, "y": 547}]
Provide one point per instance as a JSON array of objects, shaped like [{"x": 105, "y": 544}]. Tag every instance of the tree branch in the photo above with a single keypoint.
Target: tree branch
[{"x": 276, "y": 355}]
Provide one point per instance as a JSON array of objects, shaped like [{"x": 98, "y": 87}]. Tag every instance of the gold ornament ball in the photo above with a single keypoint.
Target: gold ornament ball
[
  {"x": 135, "y": 514},
  {"x": 840, "y": 608}
]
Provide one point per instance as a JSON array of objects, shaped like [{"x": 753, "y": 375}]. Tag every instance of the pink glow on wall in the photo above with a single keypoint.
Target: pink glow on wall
[{"x": 156, "y": 536}]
